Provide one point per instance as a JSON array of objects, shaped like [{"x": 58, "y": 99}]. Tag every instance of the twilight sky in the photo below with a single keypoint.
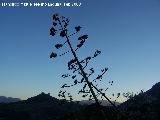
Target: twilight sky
[{"x": 126, "y": 31}]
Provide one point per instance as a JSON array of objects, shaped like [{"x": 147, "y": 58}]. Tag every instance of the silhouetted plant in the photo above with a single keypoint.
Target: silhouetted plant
[{"x": 78, "y": 67}]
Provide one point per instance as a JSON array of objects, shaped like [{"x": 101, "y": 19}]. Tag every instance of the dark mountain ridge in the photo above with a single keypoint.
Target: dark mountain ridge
[
  {"x": 102, "y": 102},
  {"x": 40, "y": 107},
  {"x": 4, "y": 99},
  {"x": 154, "y": 91},
  {"x": 42, "y": 98},
  {"x": 144, "y": 106},
  {"x": 150, "y": 96}
]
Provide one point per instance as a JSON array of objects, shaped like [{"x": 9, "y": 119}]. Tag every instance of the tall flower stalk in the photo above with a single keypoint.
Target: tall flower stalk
[{"x": 75, "y": 65}]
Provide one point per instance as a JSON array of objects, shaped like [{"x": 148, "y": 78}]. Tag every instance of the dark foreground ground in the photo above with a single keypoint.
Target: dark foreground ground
[{"x": 145, "y": 106}]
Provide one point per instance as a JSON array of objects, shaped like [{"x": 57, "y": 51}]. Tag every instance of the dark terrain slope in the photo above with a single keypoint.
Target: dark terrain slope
[
  {"x": 144, "y": 106},
  {"x": 4, "y": 99},
  {"x": 40, "y": 107}
]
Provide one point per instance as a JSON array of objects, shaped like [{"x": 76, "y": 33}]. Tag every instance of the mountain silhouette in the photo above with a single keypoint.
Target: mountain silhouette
[
  {"x": 144, "y": 106},
  {"x": 40, "y": 107},
  {"x": 154, "y": 91},
  {"x": 4, "y": 99},
  {"x": 150, "y": 96},
  {"x": 102, "y": 102},
  {"x": 42, "y": 98}
]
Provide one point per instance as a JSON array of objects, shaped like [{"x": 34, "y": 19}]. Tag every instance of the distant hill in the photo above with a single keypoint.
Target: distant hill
[
  {"x": 148, "y": 97},
  {"x": 39, "y": 107},
  {"x": 4, "y": 99},
  {"x": 103, "y": 102},
  {"x": 42, "y": 98},
  {"x": 144, "y": 106},
  {"x": 154, "y": 91}
]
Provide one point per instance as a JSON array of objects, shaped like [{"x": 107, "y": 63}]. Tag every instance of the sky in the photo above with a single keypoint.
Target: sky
[{"x": 126, "y": 31}]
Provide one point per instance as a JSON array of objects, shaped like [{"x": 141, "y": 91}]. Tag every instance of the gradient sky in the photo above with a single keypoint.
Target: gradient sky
[{"x": 126, "y": 31}]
